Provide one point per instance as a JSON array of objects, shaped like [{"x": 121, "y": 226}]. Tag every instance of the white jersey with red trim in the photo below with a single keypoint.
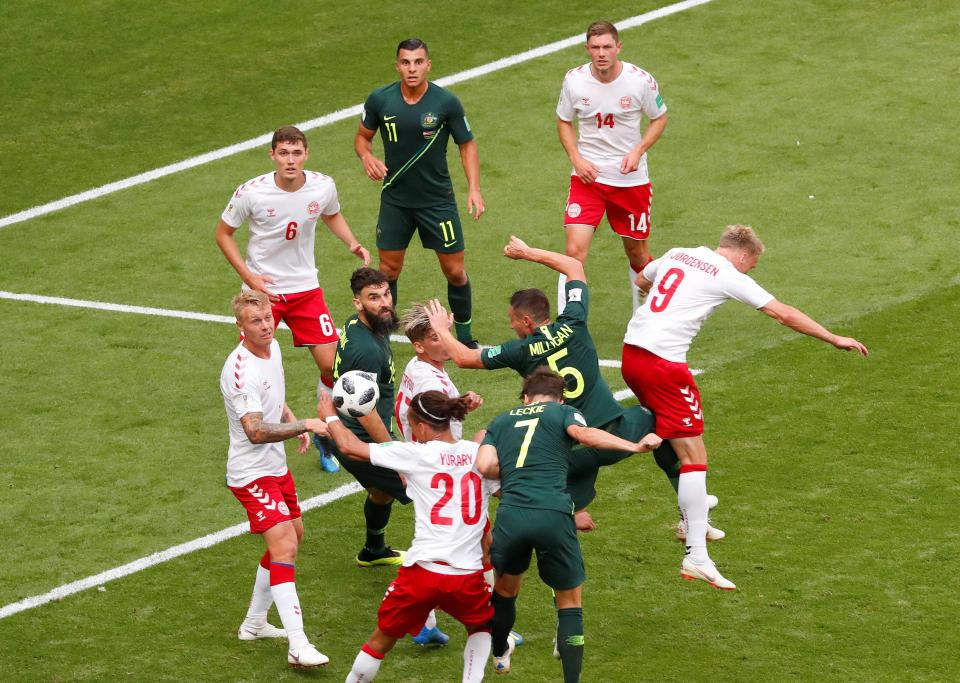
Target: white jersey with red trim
[
  {"x": 251, "y": 384},
  {"x": 688, "y": 286},
  {"x": 283, "y": 227},
  {"x": 449, "y": 496},
  {"x": 420, "y": 376},
  {"x": 609, "y": 117}
]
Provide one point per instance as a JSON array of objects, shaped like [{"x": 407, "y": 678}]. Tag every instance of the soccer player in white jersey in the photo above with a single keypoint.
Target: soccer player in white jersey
[
  {"x": 281, "y": 209},
  {"x": 444, "y": 566},
  {"x": 686, "y": 286},
  {"x": 608, "y": 98},
  {"x": 259, "y": 421},
  {"x": 426, "y": 370}
]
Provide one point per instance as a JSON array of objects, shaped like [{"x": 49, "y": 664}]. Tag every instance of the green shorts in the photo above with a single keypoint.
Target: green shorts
[
  {"x": 439, "y": 227},
  {"x": 373, "y": 477},
  {"x": 519, "y": 532},
  {"x": 635, "y": 423}
]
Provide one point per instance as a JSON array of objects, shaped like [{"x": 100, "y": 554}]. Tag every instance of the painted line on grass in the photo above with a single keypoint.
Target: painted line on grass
[
  {"x": 326, "y": 119},
  {"x": 67, "y": 589}
]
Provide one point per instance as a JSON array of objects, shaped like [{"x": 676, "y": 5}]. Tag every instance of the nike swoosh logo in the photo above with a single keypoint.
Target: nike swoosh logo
[
  {"x": 389, "y": 118},
  {"x": 449, "y": 244}
]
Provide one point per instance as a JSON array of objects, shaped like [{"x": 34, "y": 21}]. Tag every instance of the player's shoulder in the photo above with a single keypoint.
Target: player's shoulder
[
  {"x": 254, "y": 185},
  {"x": 319, "y": 182},
  {"x": 385, "y": 90}
]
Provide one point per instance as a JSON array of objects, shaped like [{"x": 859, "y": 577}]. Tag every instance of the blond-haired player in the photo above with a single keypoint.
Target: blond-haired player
[{"x": 686, "y": 285}]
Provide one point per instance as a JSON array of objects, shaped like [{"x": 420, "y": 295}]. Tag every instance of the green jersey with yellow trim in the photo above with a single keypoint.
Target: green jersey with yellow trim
[
  {"x": 360, "y": 349},
  {"x": 566, "y": 347},
  {"x": 533, "y": 448},
  {"x": 415, "y": 143}
]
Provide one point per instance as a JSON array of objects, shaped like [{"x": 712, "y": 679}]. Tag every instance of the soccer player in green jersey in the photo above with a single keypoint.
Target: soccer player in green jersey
[
  {"x": 528, "y": 449},
  {"x": 364, "y": 344},
  {"x": 415, "y": 119},
  {"x": 566, "y": 347}
]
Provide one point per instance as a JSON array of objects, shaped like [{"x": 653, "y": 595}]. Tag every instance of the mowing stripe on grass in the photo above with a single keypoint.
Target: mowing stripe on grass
[
  {"x": 169, "y": 313},
  {"x": 326, "y": 119},
  {"x": 207, "y": 541}
]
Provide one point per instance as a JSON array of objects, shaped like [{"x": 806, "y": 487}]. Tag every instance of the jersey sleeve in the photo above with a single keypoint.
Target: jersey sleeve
[
  {"x": 238, "y": 208},
  {"x": 490, "y": 486},
  {"x": 510, "y": 354},
  {"x": 652, "y": 101},
  {"x": 650, "y": 270},
  {"x": 572, "y": 416},
  {"x": 331, "y": 203},
  {"x": 245, "y": 398},
  {"x": 399, "y": 456},
  {"x": 565, "y": 106},
  {"x": 457, "y": 121},
  {"x": 370, "y": 117},
  {"x": 578, "y": 302},
  {"x": 744, "y": 288}
]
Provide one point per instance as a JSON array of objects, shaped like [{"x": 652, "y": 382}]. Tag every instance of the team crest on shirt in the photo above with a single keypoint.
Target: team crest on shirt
[
  {"x": 687, "y": 422},
  {"x": 573, "y": 209},
  {"x": 429, "y": 120},
  {"x": 313, "y": 208},
  {"x": 282, "y": 508},
  {"x": 585, "y": 101},
  {"x": 626, "y": 102}
]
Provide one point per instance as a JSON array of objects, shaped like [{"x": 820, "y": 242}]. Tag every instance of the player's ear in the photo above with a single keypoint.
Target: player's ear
[{"x": 357, "y": 305}]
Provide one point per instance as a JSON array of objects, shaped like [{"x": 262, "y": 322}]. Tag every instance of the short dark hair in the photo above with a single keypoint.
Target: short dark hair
[
  {"x": 436, "y": 408},
  {"x": 602, "y": 28},
  {"x": 364, "y": 277},
  {"x": 543, "y": 382},
  {"x": 288, "y": 134},
  {"x": 533, "y": 302},
  {"x": 412, "y": 44}
]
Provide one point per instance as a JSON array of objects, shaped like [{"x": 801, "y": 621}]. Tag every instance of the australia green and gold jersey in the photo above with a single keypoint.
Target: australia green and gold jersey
[
  {"x": 360, "y": 349},
  {"x": 415, "y": 143},
  {"x": 567, "y": 348},
  {"x": 533, "y": 448}
]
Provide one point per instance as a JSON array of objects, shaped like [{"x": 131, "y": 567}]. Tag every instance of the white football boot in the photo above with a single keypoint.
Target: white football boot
[
  {"x": 501, "y": 665},
  {"x": 306, "y": 657},
  {"x": 250, "y": 630},
  {"x": 691, "y": 571}
]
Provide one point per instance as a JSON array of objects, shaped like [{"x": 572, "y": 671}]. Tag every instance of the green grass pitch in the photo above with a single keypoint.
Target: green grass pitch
[{"x": 829, "y": 126}]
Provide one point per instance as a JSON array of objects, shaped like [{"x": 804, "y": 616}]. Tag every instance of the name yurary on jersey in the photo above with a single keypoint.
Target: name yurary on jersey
[{"x": 456, "y": 459}]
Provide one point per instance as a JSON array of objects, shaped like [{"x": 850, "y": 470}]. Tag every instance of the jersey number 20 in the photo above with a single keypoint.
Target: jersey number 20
[{"x": 470, "y": 498}]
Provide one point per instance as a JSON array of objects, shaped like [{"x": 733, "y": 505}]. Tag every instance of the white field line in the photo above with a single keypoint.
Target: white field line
[
  {"x": 60, "y": 592},
  {"x": 325, "y": 120}
]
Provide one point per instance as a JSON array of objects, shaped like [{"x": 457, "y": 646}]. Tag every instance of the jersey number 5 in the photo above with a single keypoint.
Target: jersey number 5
[
  {"x": 666, "y": 288},
  {"x": 470, "y": 498},
  {"x": 569, "y": 371}
]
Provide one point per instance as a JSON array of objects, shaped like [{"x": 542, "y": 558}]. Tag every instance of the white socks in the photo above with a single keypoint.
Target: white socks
[
  {"x": 288, "y": 605},
  {"x": 365, "y": 666},
  {"x": 634, "y": 290},
  {"x": 261, "y": 599},
  {"x": 561, "y": 294},
  {"x": 692, "y": 499},
  {"x": 431, "y": 621},
  {"x": 475, "y": 655}
]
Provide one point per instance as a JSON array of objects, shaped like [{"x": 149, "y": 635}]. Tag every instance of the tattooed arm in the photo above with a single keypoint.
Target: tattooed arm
[{"x": 259, "y": 431}]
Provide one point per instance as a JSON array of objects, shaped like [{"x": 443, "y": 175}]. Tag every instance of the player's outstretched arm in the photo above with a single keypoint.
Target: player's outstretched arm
[
  {"x": 363, "y": 146},
  {"x": 288, "y": 416},
  {"x": 799, "y": 321},
  {"x": 517, "y": 249},
  {"x": 598, "y": 438},
  {"x": 228, "y": 245},
  {"x": 338, "y": 225},
  {"x": 488, "y": 463},
  {"x": 470, "y": 159},
  {"x": 259, "y": 431},
  {"x": 347, "y": 441},
  {"x": 441, "y": 321}
]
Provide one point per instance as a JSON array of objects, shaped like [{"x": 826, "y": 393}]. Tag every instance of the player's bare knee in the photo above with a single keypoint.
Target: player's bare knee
[{"x": 378, "y": 497}]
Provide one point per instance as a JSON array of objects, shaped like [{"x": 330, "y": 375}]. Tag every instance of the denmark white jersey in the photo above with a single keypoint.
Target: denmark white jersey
[
  {"x": 609, "y": 116},
  {"x": 421, "y": 376},
  {"x": 283, "y": 226},
  {"x": 449, "y": 498},
  {"x": 250, "y": 384},
  {"x": 688, "y": 286}
]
